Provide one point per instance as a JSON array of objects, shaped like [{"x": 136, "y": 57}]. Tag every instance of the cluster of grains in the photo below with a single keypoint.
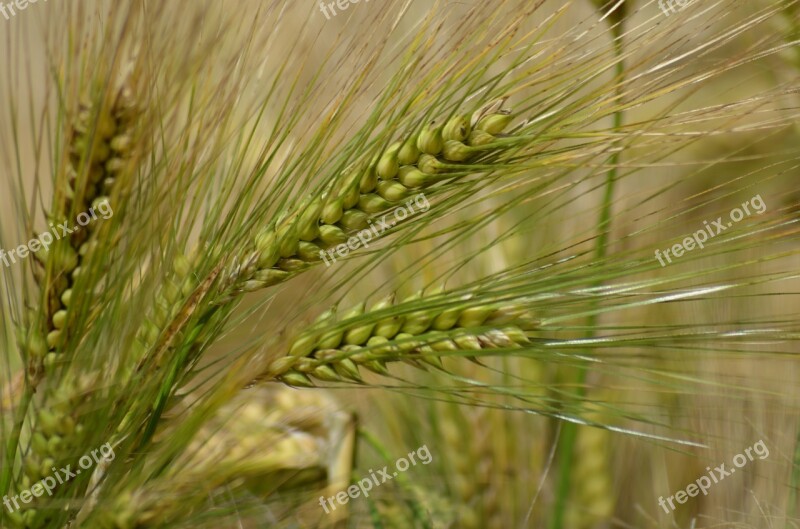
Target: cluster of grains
[
  {"x": 405, "y": 168},
  {"x": 592, "y": 494},
  {"x": 460, "y": 462},
  {"x": 99, "y": 150},
  {"x": 334, "y": 350},
  {"x": 55, "y": 442}
]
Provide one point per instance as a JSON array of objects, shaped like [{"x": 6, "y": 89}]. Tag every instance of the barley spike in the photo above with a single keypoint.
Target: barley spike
[
  {"x": 403, "y": 168},
  {"x": 386, "y": 333}
]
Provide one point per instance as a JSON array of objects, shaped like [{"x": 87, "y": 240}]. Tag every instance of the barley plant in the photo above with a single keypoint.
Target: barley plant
[{"x": 400, "y": 264}]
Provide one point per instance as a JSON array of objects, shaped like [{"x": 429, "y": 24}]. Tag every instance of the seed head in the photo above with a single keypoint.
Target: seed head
[
  {"x": 370, "y": 339},
  {"x": 349, "y": 203}
]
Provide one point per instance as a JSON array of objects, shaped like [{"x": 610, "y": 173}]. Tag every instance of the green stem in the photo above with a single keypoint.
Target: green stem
[
  {"x": 168, "y": 388},
  {"x": 569, "y": 432}
]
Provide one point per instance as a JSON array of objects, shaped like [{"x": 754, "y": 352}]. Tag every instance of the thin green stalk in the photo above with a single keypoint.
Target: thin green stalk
[
  {"x": 566, "y": 442},
  {"x": 168, "y": 388}
]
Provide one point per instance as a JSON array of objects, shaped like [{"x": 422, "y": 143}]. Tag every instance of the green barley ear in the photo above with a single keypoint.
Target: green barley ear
[
  {"x": 469, "y": 465},
  {"x": 428, "y": 158},
  {"x": 99, "y": 151},
  {"x": 400, "y": 332}
]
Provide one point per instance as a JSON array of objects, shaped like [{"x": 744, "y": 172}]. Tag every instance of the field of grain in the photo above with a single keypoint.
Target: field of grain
[{"x": 400, "y": 264}]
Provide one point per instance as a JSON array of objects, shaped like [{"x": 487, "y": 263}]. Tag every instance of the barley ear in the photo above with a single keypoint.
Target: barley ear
[
  {"x": 335, "y": 349},
  {"x": 99, "y": 153},
  {"x": 405, "y": 167}
]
